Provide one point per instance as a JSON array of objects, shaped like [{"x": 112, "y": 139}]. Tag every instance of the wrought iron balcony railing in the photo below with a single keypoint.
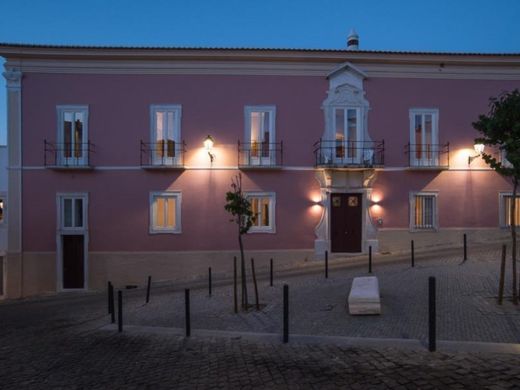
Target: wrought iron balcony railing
[
  {"x": 67, "y": 154},
  {"x": 162, "y": 154},
  {"x": 260, "y": 154},
  {"x": 349, "y": 154},
  {"x": 428, "y": 155}
]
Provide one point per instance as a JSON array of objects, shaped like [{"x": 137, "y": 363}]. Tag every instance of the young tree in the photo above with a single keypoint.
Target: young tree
[
  {"x": 501, "y": 128},
  {"x": 240, "y": 208}
]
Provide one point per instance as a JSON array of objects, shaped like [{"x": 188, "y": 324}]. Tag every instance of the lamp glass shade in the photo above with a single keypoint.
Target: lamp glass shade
[
  {"x": 208, "y": 142},
  {"x": 479, "y": 148}
]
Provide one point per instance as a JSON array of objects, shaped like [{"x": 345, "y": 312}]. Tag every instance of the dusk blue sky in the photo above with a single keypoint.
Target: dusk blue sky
[{"x": 440, "y": 25}]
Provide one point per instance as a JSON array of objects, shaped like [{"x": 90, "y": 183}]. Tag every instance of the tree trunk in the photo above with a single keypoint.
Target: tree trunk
[
  {"x": 513, "y": 236},
  {"x": 243, "y": 272}
]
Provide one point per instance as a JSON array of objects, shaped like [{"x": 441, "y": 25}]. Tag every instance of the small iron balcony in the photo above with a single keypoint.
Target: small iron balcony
[
  {"x": 67, "y": 155},
  {"x": 260, "y": 155},
  {"x": 428, "y": 156},
  {"x": 349, "y": 154},
  {"x": 166, "y": 154}
]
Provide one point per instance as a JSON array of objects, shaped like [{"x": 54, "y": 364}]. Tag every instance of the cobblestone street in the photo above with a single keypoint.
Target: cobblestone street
[{"x": 63, "y": 342}]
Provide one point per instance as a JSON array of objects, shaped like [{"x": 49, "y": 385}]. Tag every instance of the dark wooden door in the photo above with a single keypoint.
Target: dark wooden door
[
  {"x": 73, "y": 261},
  {"x": 345, "y": 222}
]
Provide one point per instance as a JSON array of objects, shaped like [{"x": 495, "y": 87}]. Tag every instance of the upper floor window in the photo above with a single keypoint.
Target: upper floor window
[
  {"x": 72, "y": 146},
  {"x": 263, "y": 208},
  {"x": 347, "y": 126},
  {"x": 506, "y": 203},
  {"x": 260, "y": 135},
  {"x": 72, "y": 211},
  {"x": 423, "y": 211},
  {"x": 2, "y": 207},
  {"x": 165, "y": 212},
  {"x": 424, "y": 137},
  {"x": 166, "y": 133}
]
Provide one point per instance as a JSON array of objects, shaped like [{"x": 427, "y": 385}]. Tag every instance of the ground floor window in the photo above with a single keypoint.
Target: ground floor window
[
  {"x": 506, "y": 203},
  {"x": 262, "y": 206},
  {"x": 165, "y": 212},
  {"x": 423, "y": 211}
]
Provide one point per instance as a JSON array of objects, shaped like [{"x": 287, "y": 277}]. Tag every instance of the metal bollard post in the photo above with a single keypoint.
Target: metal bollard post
[
  {"x": 465, "y": 248},
  {"x": 209, "y": 281},
  {"x": 432, "y": 342},
  {"x": 148, "y": 287},
  {"x": 110, "y": 293},
  {"x": 187, "y": 311},
  {"x": 235, "y": 298},
  {"x": 502, "y": 275},
  {"x": 285, "y": 313},
  {"x": 255, "y": 284},
  {"x": 271, "y": 273},
  {"x": 326, "y": 264},
  {"x": 370, "y": 259},
  {"x": 413, "y": 255},
  {"x": 119, "y": 311}
]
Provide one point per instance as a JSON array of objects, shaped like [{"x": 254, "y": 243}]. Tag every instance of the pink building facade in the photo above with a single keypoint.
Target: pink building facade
[{"x": 339, "y": 151}]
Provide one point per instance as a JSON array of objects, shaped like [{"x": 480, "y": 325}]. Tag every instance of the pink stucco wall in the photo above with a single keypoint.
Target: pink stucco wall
[{"x": 119, "y": 117}]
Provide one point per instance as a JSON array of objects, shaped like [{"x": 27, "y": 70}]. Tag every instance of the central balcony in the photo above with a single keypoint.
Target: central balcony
[
  {"x": 428, "y": 156},
  {"x": 166, "y": 154},
  {"x": 349, "y": 154},
  {"x": 260, "y": 155}
]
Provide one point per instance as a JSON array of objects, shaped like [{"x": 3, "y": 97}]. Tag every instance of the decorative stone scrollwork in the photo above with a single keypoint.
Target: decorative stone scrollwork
[{"x": 13, "y": 77}]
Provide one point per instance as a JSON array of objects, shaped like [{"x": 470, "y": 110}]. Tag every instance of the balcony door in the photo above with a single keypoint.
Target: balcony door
[
  {"x": 72, "y": 145},
  {"x": 348, "y": 146},
  {"x": 424, "y": 138},
  {"x": 165, "y": 135},
  {"x": 260, "y": 135}
]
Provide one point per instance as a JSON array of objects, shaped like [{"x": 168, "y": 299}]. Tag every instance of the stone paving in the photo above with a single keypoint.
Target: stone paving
[{"x": 59, "y": 343}]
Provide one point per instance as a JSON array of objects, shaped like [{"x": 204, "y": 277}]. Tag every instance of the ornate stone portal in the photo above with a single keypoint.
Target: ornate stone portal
[{"x": 345, "y": 92}]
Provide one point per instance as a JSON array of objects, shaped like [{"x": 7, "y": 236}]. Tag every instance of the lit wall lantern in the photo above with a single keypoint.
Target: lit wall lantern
[
  {"x": 479, "y": 149},
  {"x": 208, "y": 145}
]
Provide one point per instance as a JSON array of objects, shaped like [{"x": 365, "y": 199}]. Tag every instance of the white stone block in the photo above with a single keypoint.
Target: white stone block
[{"x": 364, "y": 296}]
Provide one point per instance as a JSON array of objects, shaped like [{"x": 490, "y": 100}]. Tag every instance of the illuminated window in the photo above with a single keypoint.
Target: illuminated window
[
  {"x": 506, "y": 202},
  {"x": 260, "y": 134},
  {"x": 165, "y": 212},
  {"x": 424, "y": 137},
  {"x": 263, "y": 208},
  {"x": 72, "y": 211},
  {"x": 72, "y": 144},
  {"x": 2, "y": 203},
  {"x": 423, "y": 211},
  {"x": 166, "y": 134}
]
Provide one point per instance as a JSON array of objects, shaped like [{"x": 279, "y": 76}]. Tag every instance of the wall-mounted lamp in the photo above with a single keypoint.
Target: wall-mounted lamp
[
  {"x": 479, "y": 149},
  {"x": 208, "y": 144}
]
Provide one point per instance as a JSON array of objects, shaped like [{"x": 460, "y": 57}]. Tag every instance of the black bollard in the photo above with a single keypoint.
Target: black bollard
[
  {"x": 432, "y": 342},
  {"x": 465, "y": 248},
  {"x": 235, "y": 298},
  {"x": 413, "y": 255},
  {"x": 209, "y": 281},
  {"x": 271, "y": 273},
  {"x": 110, "y": 292},
  {"x": 285, "y": 313},
  {"x": 119, "y": 311},
  {"x": 370, "y": 259},
  {"x": 187, "y": 311},
  {"x": 326, "y": 264},
  {"x": 253, "y": 273},
  {"x": 148, "y": 287}
]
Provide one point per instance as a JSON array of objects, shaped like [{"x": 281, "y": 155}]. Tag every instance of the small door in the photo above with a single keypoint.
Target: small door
[
  {"x": 73, "y": 251},
  {"x": 345, "y": 223}
]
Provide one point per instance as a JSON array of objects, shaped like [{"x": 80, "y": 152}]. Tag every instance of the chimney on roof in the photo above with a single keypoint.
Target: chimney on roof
[{"x": 353, "y": 40}]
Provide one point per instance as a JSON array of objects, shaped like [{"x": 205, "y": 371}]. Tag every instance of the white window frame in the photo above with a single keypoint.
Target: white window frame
[
  {"x": 3, "y": 197},
  {"x": 434, "y": 112},
  {"x": 61, "y": 211},
  {"x": 359, "y": 135},
  {"x": 176, "y": 109},
  {"x": 412, "y": 199},
  {"x": 178, "y": 202},
  {"x": 248, "y": 110},
  {"x": 502, "y": 211},
  {"x": 60, "y": 158},
  {"x": 272, "y": 211}
]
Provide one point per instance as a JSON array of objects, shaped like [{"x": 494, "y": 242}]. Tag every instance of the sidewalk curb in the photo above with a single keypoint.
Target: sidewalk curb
[{"x": 444, "y": 346}]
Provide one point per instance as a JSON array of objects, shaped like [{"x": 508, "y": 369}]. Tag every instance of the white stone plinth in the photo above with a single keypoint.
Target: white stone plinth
[{"x": 364, "y": 296}]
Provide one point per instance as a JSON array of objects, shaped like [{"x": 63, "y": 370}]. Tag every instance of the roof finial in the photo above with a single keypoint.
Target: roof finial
[{"x": 353, "y": 40}]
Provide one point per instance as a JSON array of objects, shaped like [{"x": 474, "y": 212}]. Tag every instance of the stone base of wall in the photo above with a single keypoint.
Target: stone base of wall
[{"x": 398, "y": 240}]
